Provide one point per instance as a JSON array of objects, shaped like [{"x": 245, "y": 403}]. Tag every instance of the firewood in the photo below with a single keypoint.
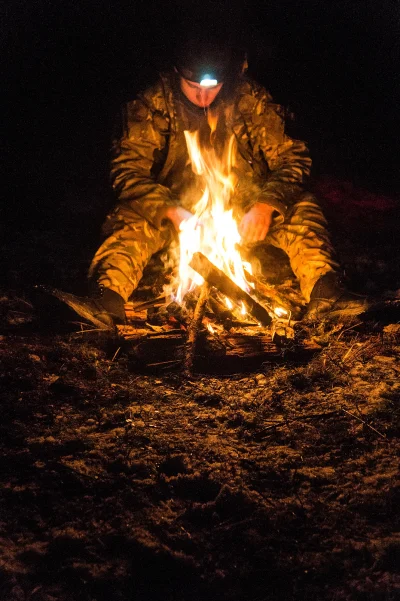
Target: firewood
[
  {"x": 215, "y": 277},
  {"x": 194, "y": 327}
]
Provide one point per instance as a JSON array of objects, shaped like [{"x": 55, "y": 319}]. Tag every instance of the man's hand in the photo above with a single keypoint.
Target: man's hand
[
  {"x": 256, "y": 223},
  {"x": 176, "y": 215}
]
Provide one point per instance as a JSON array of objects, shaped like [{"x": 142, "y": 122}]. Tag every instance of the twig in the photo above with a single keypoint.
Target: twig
[
  {"x": 229, "y": 524},
  {"x": 193, "y": 329},
  {"x": 349, "y": 328},
  {"x": 347, "y": 353},
  {"x": 163, "y": 363},
  {"x": 82, "y": 331},
  {"x": 115, "y": 354},
  {"x": 364, "y": 422},
  {"x": 285, "y": 422}
]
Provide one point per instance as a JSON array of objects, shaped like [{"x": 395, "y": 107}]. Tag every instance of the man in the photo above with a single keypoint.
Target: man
[{"x": 151, "y": 175}]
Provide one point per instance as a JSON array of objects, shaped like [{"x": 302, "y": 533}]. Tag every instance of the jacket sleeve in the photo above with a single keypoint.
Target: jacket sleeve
[
  {"x": 287, "y": 159},
  {"x": 138, "y": 155}
]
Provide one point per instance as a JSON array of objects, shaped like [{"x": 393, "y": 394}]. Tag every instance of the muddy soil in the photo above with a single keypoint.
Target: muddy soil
[{"x": 280, "y": 482}]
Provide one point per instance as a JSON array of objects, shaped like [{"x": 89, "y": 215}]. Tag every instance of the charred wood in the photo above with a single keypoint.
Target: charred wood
[
  {"x": 215, "y": 277},
  {"x": 194, "y": 327}
]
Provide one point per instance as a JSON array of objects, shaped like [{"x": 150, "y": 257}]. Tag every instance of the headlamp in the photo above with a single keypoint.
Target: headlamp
[{"x": 207, "y": 81}]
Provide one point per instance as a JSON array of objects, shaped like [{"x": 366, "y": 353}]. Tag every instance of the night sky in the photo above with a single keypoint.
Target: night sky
[{"x": 67, "y": 67}]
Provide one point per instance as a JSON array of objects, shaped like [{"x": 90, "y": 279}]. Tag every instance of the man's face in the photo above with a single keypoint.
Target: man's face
[{"x": 199, "y": 95}]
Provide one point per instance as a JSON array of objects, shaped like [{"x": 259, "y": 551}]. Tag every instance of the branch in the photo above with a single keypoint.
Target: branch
[{"x": 215, "y": 277}]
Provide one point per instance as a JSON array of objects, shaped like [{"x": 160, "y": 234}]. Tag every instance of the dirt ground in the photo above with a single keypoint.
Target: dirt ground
[{"x": 280, "y": 482}]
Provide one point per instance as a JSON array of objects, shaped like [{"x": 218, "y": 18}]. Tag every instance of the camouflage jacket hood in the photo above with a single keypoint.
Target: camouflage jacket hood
[{"x": 272, "y": 168}]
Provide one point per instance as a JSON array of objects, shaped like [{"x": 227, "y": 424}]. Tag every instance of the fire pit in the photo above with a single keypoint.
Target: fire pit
[
  {"x": 214, "y": 306},
  {"x": 211, "y": 307}
]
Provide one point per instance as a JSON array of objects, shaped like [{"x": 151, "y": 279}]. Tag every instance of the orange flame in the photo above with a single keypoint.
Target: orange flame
[{"x": 212, "y": 230}]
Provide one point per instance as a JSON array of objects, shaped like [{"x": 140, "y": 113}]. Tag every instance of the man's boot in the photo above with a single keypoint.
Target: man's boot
[
  {"x": 105, "y": 308},
  {"x": 330, "y": 298}
]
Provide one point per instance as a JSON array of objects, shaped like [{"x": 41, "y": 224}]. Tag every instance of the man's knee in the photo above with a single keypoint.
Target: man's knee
[{"x": 305, "y": 216}]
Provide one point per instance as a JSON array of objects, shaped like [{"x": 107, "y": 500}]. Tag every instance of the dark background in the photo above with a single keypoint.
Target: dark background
[{"x": 67, "y": 67}]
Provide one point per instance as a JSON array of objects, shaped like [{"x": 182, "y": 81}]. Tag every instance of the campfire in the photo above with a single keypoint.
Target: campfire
[
  {"x": 214, "y": 305},
  {"x": 212, "y": 230}
]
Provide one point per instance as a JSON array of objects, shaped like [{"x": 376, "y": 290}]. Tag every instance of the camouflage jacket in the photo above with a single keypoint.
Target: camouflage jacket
[{"x": 272, "y": 167}]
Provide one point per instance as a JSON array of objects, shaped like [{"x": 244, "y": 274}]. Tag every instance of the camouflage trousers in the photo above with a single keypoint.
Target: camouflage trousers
[{"x": 302, "y": 235}]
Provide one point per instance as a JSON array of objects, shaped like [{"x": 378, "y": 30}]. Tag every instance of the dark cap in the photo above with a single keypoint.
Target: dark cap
[{"x": 199, "y": 58}]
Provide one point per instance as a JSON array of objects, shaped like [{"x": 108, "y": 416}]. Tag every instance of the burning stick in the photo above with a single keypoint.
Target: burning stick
[
  {"x": 215, "y": 277},
  {"x": 194, "y": 328}
]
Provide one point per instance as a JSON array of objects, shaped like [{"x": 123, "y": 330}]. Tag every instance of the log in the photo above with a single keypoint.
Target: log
[
  {"x": 216, "y": 277},
  {"x": 226, "y": 351},
  {"x": 194, "y": 327},
  {"x": 287, "y": 298}
]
